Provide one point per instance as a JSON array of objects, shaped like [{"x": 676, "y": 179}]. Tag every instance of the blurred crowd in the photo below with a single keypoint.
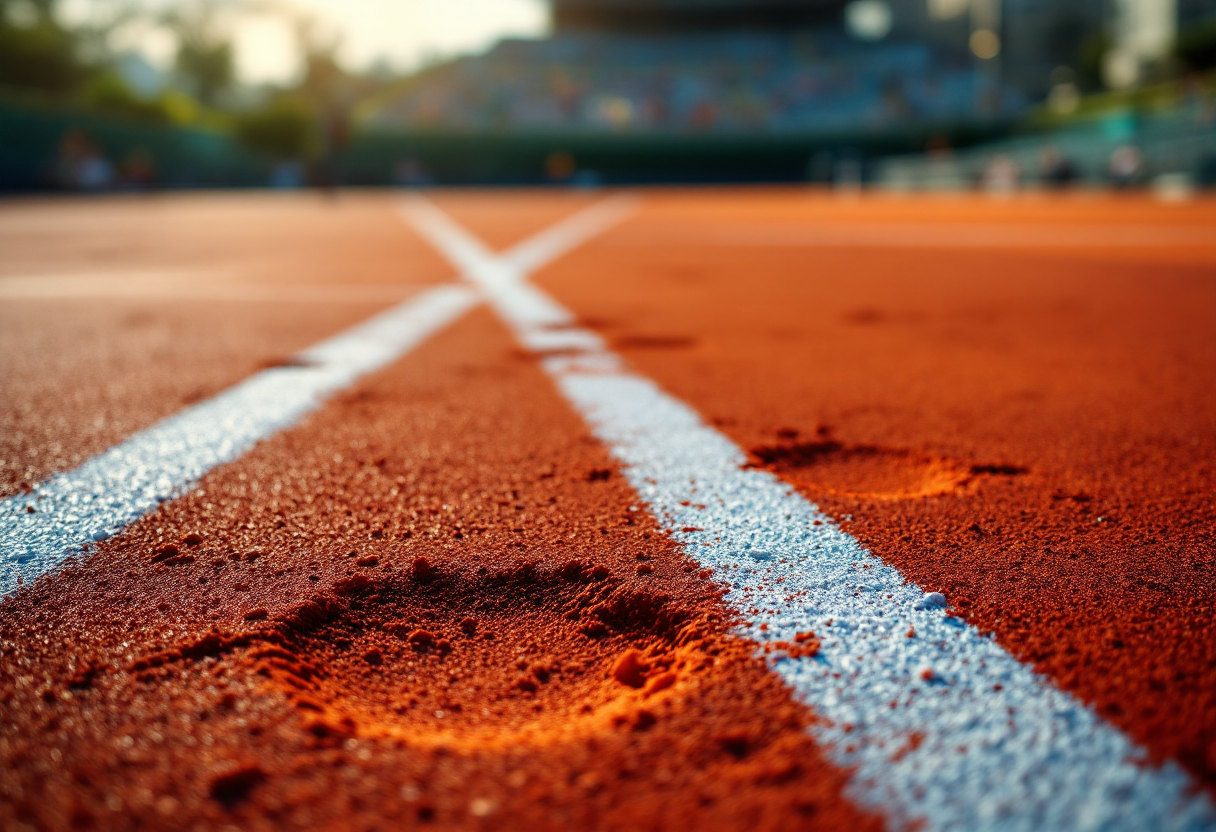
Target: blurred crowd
[
  {"x": 79, "y": 110},
  {"x": 1057, "y": 171},
  {"x": 726, "y": 82},
  {"x": 82, "y": 165}
]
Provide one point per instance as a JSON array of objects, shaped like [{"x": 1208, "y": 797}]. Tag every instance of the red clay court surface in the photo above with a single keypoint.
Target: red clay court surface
[{"x": 436, "y": 601}]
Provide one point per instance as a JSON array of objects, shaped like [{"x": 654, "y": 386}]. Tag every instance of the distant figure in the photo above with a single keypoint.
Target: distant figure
[
  {"x": 410, "y": 173},
  {"x": 81, "y": 166},
  {"x": 138, "y": 171},
  {"x": 1125, "y": 166},
  {"x": 939, "y": 146},
  {"x": 1205, "y": 171},
  {"x": 560, "y": 166},
  {"x": 1001, "y": 176},
  {"x": 335, "y": 130},
  {"x": 96, "y": 172},
  {"x": 287, "y": 175},
  {"x": 1056, "y": 170},
  {"x": 848, "y": 176}
]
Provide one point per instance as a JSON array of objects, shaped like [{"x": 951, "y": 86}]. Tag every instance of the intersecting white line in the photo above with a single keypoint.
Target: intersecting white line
[
  {"x": 983, "y": 743},
  {"x": 71, "y": 510}
]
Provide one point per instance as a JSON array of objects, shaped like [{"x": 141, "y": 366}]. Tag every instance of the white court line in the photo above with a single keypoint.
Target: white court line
[
  {"x": 997, "y": 747},
  {"x": 114, "y": 489}
]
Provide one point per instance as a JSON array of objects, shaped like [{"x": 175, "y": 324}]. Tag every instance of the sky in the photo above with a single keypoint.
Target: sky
[{"x": 405, "y": 32}]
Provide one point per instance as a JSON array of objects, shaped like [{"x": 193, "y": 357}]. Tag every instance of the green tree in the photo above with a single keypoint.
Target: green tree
[
  {"x": 323, "y": 75},
  {"x": 208, "y": 66},
  {"x": 36, "y": 50},
  {"x": 285, "y": 128},
  {"x": 1090, "y": 58},
  {"x": 204, "y": 50},
  {"x": 107, "y": 92},
  {"x": 1196, "y": 46}
]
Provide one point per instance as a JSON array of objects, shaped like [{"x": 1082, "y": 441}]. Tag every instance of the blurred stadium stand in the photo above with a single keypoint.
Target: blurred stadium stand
[
  {"x": 739, "y": 82},
  {"x": 764, "y": 66},
  {"x": 638, "y": 91},
  {"x": 1172, "y": 149},
  {"x": 697, "y": 90}
]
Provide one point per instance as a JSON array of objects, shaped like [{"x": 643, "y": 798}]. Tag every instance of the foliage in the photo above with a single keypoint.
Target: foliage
[
  {"x": 1196, "y": 46},
  {"x": 39, "y": 54},
  {"x": 204, "y": 49},
  {"x": 1090, "y": 58},
  {"x": 323, "y": 76},
  {"x": 209, "y": 66},
  {"x": 181, "y": 109},
  {"x": 285, "y": 127},
  {"x": 108, "y": 92},
  {"x": 1153, "y": 98}
]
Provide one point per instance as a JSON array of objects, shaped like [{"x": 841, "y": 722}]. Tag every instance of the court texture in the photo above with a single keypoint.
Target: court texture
[{"x": 668, "y": 509}]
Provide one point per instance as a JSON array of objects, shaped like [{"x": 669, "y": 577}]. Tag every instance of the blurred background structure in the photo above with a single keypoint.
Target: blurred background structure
[{"x": 907, "y": 94}]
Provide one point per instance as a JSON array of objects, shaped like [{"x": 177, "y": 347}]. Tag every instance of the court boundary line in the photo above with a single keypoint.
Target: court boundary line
[
  {"x": 944, "y": 730},
  {"x": 63, "y": 515}
]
